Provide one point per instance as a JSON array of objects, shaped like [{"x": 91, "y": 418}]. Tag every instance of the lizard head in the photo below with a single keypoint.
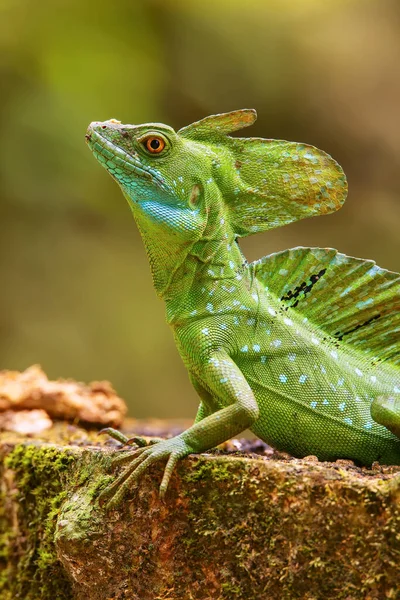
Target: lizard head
[{"x": 160, "y": 175}]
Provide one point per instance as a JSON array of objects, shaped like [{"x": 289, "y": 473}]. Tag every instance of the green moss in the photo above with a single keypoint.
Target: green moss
[
  {"x": 6, "y": 540},
  {"x": 32, "y": 569},
  {"x": 44, "y": 478},
  {"x": 206, "y": 470},
  {"x": 87, "y": 519}
]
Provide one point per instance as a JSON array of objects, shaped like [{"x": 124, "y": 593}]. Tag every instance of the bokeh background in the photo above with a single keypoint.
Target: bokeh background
[{"x": 75, "y": 289}]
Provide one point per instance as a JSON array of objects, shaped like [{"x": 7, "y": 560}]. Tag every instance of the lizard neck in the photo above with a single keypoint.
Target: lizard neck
[
  {"x": 194, "y": 275},
  {"x": 212, "y": 268},
  {"x": 165, "y": 257}
]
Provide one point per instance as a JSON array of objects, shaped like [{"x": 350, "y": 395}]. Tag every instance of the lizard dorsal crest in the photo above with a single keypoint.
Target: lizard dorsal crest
[{"x": 352, "y": 300}]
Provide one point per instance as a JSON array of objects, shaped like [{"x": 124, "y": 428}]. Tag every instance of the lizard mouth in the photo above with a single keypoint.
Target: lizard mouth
[{"x": 120, "y": 164}]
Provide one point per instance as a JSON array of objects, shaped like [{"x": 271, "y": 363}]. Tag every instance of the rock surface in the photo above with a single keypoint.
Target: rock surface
[{"x": 232, "y": 526}]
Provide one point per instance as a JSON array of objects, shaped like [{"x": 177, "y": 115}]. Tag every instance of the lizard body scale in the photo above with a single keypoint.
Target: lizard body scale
[{"x": 302, "y": 346}]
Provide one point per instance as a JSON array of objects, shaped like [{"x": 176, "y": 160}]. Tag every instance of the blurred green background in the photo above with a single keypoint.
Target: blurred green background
[{"x": 75, "y": 289}]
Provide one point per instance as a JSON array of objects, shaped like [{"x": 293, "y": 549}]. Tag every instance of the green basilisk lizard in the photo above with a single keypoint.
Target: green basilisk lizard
[{"x": 302, "y": 346}]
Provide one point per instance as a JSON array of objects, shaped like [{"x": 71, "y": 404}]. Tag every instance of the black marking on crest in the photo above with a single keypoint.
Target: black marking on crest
[
  {"x": 340, "y": 335},
  {"x": 303, "y": 289}
]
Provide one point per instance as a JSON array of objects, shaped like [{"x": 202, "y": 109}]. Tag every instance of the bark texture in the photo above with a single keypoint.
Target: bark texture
[{"x": 232, "y": 527}]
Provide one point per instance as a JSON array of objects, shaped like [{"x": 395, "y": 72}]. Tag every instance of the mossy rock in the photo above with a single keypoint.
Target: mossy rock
[{"x": 231, "y": 527}]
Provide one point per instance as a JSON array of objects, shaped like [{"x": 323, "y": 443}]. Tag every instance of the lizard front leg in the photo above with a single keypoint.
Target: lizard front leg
[
  {"x": 206, "y": 400},
  {"x": 236, "y": 410}
]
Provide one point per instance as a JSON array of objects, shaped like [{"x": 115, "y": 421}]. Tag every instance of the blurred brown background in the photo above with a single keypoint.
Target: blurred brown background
[{"x": 75, "y": 288}]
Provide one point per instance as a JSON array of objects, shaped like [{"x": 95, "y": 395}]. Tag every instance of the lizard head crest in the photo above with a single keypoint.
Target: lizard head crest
[{"x": 268, "y": 183}]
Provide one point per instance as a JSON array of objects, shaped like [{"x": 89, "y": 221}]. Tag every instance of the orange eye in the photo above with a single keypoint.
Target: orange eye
[{"x": 154, "y": 144}]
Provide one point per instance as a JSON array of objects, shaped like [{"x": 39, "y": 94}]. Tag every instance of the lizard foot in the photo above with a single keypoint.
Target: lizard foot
[{"x": 139, "y": 460}]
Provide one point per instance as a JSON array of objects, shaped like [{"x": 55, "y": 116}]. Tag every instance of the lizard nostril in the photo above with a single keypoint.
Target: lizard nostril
[{"x": 104, "y": 126}]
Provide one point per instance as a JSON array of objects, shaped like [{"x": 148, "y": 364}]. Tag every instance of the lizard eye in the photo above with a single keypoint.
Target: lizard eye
[{"x": 154, "y": 144}]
